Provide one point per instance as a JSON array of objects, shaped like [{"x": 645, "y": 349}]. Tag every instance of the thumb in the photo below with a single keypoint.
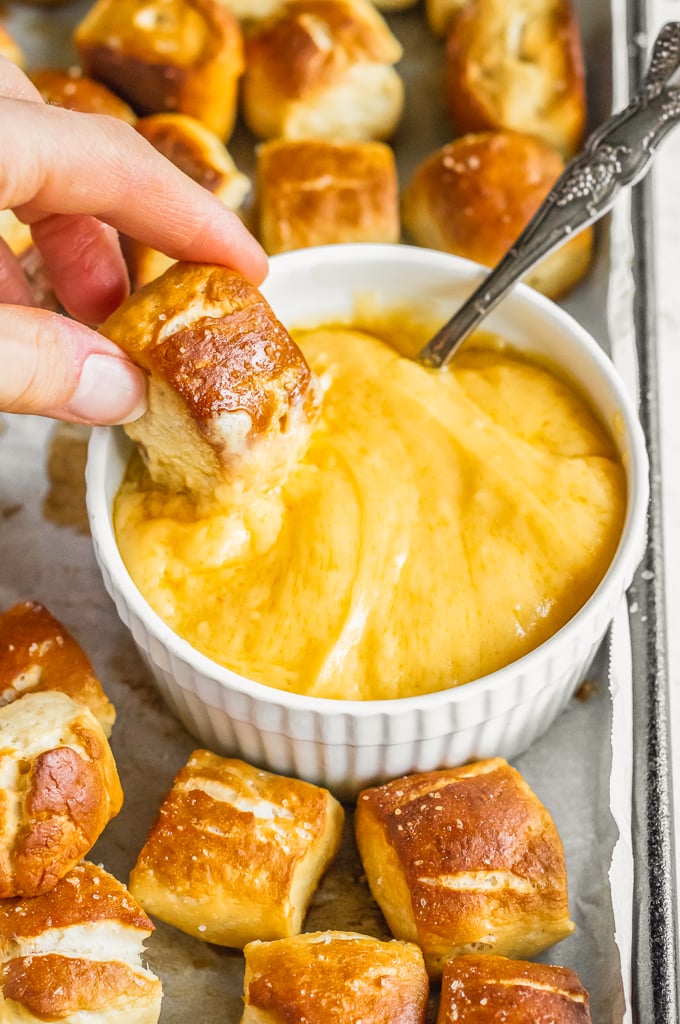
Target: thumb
[{"x": 53, "y": 366}]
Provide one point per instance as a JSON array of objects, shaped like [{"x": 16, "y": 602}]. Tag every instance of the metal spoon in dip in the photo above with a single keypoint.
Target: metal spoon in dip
[{"x": 617, "y": 154}]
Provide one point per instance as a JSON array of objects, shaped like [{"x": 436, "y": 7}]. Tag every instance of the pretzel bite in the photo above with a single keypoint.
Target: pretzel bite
[
  {"x": 253, "y": 848},
  {"x": 475, "y": 195},
  {"x": 38, "y": 653},
  {"x": 202, "y": 155},
  {"x": 332, "y": 978},
  {"x": 440, "y": 14},
  {"x": 319, "y": 191},
  {"x": 322, "y": 69},
  {"x": 517, "y": 64},
  {"x": 488, "y": 989},
  {"x": 76, "y": 91},
  {"x": 59, "y": 789},
  {"x": 231, "y": 398},
  {"x": 464, "y": 860},
  {"x": 9, "y": 47},
  {"x": 166, "y": 55},
  {"x": 75, "y": 954}
]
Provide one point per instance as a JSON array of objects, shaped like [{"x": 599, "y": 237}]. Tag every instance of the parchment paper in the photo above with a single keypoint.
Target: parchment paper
[{"x": 45, "y": 554}]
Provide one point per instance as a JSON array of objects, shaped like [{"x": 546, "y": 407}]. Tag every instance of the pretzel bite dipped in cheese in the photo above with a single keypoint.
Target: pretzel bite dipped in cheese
[
  {"x": 334, "y": 977},
  {"x": 517, "y": 64},
  {"x": 59, "y": 788},
  {"x": 201, "y": 154},
  {"x": 322, "y": 191},
  {"x": 75, "y": 954},
  {"x": 231, "y": 398},
  {"x": 476, "y": 194},
  {"x": 464, "y": 860},
  {"x": 184, "y": 56},
  {"x": 38, "y": 653},
  {"x": 76, "y": 91},
  {"x": 440, "y": 14},
  {"x": 322, "y": 69},
  {"x": 253, "y": 848},
  {"x": 488, "y": 989}
]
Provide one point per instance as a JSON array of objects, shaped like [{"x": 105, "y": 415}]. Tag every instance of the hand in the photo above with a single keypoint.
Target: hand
[{"x": 77, "y": 179}]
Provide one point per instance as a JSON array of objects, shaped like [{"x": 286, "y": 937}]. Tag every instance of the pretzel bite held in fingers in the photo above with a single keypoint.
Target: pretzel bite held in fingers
[
  {"x": 517, "y": 64},
  {"x": 475, "y": 195},
  {"x": 76, "y": 91},
  {"x": 59, "y": 789},
  {"x": 38, "y": 653},
  {"x": 489, "y": 989},
  {"x": 231, "y": 398},
  {"x": 334, "y": 977},
  {"x": 167, "y": 55},
  {"x": 202, "y": 155},
  {"x": 322, "y": 69},
  {"x": 75, "y": 954},
  {"x": 464, "y": 860},
  {"x": 322, "y": 191}
]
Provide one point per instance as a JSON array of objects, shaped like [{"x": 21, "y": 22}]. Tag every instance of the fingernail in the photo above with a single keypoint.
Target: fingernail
[{"x": 110, "y": 390}]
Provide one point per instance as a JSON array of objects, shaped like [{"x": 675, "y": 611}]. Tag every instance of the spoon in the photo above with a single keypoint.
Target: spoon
[{"x": 617, "y": 154}]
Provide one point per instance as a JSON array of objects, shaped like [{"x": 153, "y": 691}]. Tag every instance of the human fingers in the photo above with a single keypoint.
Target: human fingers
[
  {"x": 14, "y": 287},
  {"x": 14, "y": 83},
  {"x": 72, "y": 163},
  {"x": 85, "y": 265},
  {"x": 53, "y": 366}
]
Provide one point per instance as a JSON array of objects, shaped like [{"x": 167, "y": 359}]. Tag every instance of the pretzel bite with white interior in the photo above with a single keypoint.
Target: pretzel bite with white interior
[
  {"x": 253, "y": 848},
  {"x": 334, "y": 977},
  {"x": 475, "y": 195},
  {"x": 76, "y": 91},
  {"x": 486, "y": 989},
  {"x": 60, "y": 788},
  {"x": 38, "y": 653},
  {"x": 231, "y": 398},
  {"x": 322, "y": 69},
  {"x": 184, "y": 56},
  {"x": 75, "y": 953},
  {"x": 517, "y": 64},
  {"x": 464, "y": 860},
  {"x": 9, "y": 47},
  {"x": 202, "y": 155},
  {"x": 321, "y": 191}
]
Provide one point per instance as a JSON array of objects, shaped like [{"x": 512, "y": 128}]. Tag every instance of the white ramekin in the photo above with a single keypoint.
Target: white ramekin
[{"x": 349, "y": 744}]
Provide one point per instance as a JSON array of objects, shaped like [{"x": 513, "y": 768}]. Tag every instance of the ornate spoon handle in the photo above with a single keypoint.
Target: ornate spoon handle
[{"x": 616, "y": 155}]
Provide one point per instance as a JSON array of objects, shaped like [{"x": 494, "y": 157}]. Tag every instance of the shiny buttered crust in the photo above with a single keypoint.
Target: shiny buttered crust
[
  {"x": 334, "y": 977},
  {"x": 76, "y": 950},
  {"x": 9, "y": 47},
  {"x": 58, "y": 789},
  {"x": 231, "y": 399},
  {"x": 322, "y": 69},
  {"x": 464, "y": 860},
  {"x": 318, "y": 192},
  {"x": 236, "y": 853},
  {"x": 475, "y": 195},
  {"x": 76, "y": 91},
  {"x": 488, "y": 989},
  {"x": 183, "y": 56},
  {"x": 38, "y": 653},
  {"x": 517, "y": 64},
  {"x": 201, "y": 154}
]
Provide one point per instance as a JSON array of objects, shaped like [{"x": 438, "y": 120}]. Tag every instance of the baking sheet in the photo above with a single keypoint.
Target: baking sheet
[{"x": 45, "y": 554}]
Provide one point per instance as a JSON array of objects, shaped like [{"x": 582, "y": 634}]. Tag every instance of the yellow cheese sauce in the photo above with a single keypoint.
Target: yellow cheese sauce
[{"x": 440, "y": 525}]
